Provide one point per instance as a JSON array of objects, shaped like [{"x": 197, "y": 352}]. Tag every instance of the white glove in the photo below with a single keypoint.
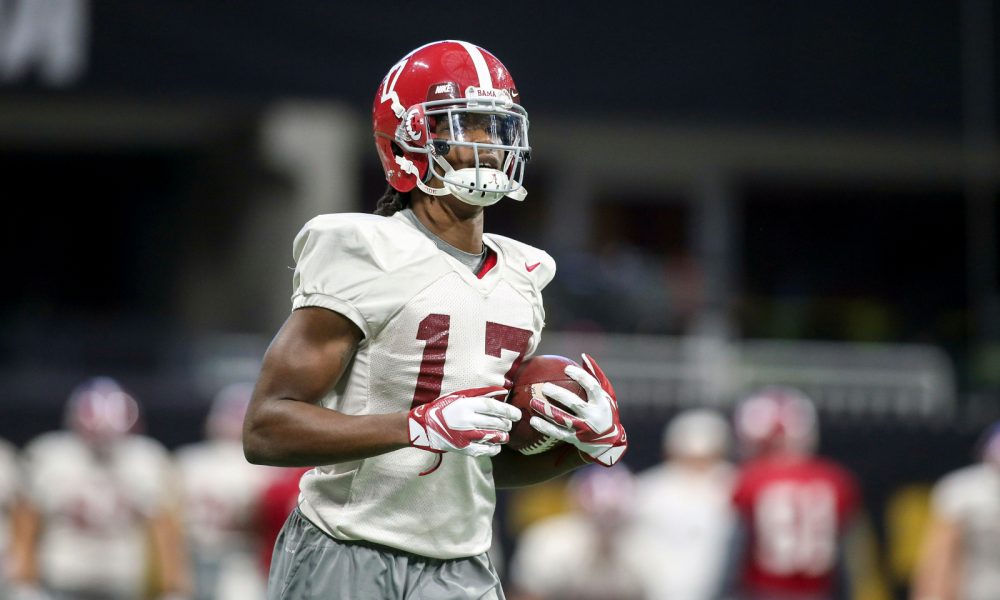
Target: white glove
[
  {"x": 592, "y": 426},
  {"x": 471, "y": 422}
]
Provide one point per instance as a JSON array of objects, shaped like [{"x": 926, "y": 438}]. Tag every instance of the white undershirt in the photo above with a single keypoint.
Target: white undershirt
[{"x": 472, "y": 260}]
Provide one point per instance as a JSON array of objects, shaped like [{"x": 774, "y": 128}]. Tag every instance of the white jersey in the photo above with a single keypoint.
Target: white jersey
[
  {"x": 430, "y": 327},
  {"x": 970, "y": 498},
  {"x": 566, "y": 557},
  {"x": 219, "y": 494},
  {"x": 686, "y": 519},
  {"x": 94, "y": 511}
]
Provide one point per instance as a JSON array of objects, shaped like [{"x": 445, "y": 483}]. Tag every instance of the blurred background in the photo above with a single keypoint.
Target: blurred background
[{"x": 736, "y": 193}]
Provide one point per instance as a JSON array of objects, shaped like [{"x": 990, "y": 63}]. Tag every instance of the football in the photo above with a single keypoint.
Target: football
[{"x": 528, "y": 380}]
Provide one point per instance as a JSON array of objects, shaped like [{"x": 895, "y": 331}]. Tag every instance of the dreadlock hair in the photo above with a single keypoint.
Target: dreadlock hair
[{"x": 391, "y": 202}]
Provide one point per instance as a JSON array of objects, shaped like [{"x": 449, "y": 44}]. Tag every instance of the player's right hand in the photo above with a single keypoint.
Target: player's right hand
[
  {"x": 592, "y": 426},
  {"x": 474, "y": 422}
]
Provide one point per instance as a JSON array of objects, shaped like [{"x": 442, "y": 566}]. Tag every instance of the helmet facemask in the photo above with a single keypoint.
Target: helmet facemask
[{"x": 493, "y": 129}]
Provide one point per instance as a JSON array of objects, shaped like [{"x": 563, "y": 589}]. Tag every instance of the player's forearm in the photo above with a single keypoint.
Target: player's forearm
[
  {"x": 26, "y": 526},
  {"x": 171, "y": 554},
  {"x": 290, "y": 433},
  {"x": 936, "y": 574},
  {"x": 512, "y": 469}
]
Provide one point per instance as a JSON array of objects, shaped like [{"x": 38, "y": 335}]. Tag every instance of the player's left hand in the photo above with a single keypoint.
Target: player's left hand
[{"x": 592, "y": 426}]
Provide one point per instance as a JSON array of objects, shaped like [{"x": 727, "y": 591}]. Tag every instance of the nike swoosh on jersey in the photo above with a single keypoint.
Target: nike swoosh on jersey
[{"x": 531, "y": 268}]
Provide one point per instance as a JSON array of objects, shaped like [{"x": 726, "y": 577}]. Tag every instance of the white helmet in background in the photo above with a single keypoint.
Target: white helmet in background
[
  {"x": 697, "y": 433},
  {"x": 100, "y": 411}
]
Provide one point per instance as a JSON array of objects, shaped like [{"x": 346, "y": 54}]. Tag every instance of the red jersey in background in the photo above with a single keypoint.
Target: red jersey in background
[{"x": 795, "y": 511}]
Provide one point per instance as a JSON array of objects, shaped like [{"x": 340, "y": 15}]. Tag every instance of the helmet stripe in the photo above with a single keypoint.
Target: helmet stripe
[{"x": 482, "y": 70}]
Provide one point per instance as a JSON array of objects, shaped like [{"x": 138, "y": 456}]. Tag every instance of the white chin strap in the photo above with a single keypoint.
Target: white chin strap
[{"x": 461, "y": 183}]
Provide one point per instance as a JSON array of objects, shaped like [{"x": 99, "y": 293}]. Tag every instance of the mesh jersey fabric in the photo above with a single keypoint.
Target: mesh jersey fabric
[{"x": 431, "y": 327}]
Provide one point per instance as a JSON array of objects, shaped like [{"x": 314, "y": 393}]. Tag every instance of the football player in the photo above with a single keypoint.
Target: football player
[
  {"x": 796, "y": 511},
  {"x": 590, "y": 552},
  {"x": 961, "y": 553},
  {"x": 407, "y": 325},
  {"x": 683, "y": 507},
  {"x": 219, "y": 492},
  {"x": 277, "y": 500},
  {"x": 98, "y": 493}
]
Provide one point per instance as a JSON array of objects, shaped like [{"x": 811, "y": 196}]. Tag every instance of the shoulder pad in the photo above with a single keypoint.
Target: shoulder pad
[
  {"x": 340, "y": 258},
  {"x": 384, "y": 241},
  {"x": 535, "y": 264}
]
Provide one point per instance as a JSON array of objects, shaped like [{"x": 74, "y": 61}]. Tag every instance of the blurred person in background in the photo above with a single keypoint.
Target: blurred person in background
[
  {"x": 589, "y": 553},
  {"x": 683, "y": 508},
  {"x": 797, "y": 513},
  {"x": 407, "y": 326},
  {"x": 277, "y": 500},
  {"x": 219, "y": 493},
  {"x": 960, "y": 557},
  {"x": 10, "y": 493},
  {"x": 99, "y": 520}
]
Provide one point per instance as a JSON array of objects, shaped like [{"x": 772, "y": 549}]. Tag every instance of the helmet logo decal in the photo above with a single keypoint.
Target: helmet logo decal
[
  {"x": 413, "y": 123},
  {"x": 479, "y": 61},
  {"x": 489, "y": 93},
  {"x": 389, "y": 89}
]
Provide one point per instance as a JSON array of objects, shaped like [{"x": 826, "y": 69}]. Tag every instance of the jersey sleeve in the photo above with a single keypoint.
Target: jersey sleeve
[
  {"x": 338, "y": 259},
  {"x": 545, "y": 269},
  {"x": 536, "y": 265},
  {"x": 544, "y": 273}
]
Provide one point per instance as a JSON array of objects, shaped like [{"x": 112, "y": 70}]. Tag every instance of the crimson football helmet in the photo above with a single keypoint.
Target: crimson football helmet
[
  {"x": 452, "y": 94},
  {"x": 777, "y": 419},
  {"x": 99, "y": 410}
]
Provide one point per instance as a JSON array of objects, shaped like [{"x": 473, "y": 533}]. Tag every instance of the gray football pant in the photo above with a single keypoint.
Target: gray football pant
[{"x": 310, "y": 565}]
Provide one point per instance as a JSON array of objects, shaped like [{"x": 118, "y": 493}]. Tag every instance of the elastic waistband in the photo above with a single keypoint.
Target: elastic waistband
[{"x": 373, "y": 545}]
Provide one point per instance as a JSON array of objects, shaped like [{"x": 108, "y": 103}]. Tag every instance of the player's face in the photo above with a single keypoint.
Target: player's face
[{"x": 476, "y": 128}]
